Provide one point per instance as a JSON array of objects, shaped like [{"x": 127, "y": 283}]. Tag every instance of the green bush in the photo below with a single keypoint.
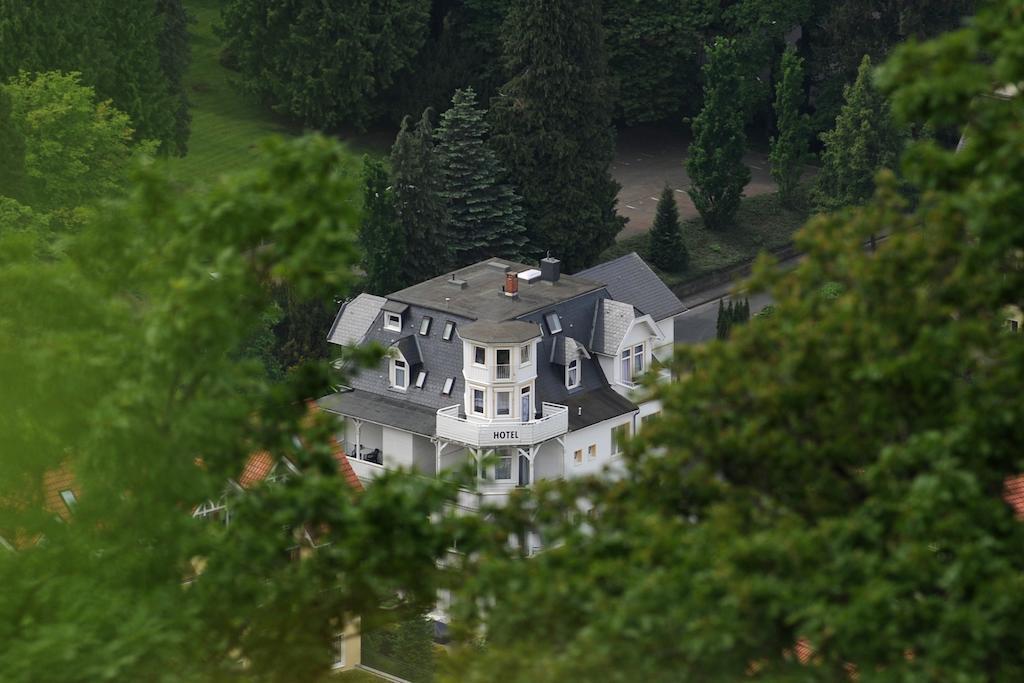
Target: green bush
[{"x": 405, "y": 650}]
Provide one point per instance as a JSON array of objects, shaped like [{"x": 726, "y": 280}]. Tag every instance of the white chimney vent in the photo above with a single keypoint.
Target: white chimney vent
[{"x": 529, "y": 276}]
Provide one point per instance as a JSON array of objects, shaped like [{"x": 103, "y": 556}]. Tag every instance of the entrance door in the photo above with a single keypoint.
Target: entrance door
[{"x": 524, "y": 470}]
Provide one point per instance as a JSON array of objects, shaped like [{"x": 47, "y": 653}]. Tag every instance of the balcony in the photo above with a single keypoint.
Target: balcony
[{"x": 451, "y": 425}]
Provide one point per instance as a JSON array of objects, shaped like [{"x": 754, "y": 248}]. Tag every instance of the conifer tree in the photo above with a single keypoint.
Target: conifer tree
[
  {"x": 485, "y": 215},
  {"x": 552, "y": 127},
  {"x": 667, "y": 250},
  {"x": 381, "y": 235},
  {"x": 715, "y": 163},
  {"x": 724, "y": 320},
  {"x": 864, "y": 140},
  {"x": 419, "y": 205},
  {"x": 789, "y": 147}
]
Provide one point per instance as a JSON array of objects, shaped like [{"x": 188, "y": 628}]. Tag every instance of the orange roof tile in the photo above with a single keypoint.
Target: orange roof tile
[
  {"x": 56, "y": 482},
  {"x": 1013, "y": 493},
  {"x": 257, "y": 467}
]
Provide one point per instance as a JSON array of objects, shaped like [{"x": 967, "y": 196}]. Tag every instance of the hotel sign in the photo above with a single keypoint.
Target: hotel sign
[{"x": 511, "y": 435}]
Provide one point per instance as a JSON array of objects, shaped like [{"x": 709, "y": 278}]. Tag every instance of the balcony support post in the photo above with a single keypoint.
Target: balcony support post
[{"x": 358, "y": 423}]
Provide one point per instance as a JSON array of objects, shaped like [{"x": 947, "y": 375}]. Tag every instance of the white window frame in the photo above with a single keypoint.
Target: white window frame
[
  {"x": 448, "y": 331},
  {"x": 339, "y": 652},
  {"x": 524, "y": 354},
  {"x": 501, "y": 455},
  {"x": 483, "y": 401},
  {"x": 475, "y": 361},
  {"x": 425, "y": 325},
  {"x": 616, "y": 448},
  {"x": 498, "y": 366},
  {"x": 497, "y": 408},
  {"x": 639, "y": 352},
  {"x": 449, "y": 384},
  {"x": 392, "y": 321},
  {"x": 572, "y": 374},
  {"x": 395, "y": 363}
]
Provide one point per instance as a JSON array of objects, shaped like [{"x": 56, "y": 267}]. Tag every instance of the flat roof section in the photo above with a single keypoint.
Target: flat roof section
[{"x": 476, "y": 291}]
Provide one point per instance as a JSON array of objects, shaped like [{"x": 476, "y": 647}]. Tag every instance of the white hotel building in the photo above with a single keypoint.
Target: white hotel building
[{"x": 498, "y": 357}]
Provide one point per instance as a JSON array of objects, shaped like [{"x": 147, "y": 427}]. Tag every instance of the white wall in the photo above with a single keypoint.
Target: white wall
[
  {"x": 397, "y": 448},
  {"x": 663, "y": 351},
  {"x": 423, "y": 455},
  {"x": 599, "y": 434},
  {"x": 548, "y": 462}
]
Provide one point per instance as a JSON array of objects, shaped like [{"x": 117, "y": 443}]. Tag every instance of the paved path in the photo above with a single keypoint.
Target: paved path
[{"x": 647, "y": 157}]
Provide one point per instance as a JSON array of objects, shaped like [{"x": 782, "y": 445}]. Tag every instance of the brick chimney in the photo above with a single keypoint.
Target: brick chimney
[{"x": 511, "y": 284}]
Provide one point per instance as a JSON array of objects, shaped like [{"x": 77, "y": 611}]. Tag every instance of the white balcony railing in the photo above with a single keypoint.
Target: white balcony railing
[{"x": 554, "y": 421}]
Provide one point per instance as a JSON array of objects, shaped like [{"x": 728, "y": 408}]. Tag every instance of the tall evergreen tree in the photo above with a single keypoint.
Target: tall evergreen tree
[
  {"x": 723, "y": 320},
  {"x": 175, "y": 56},
  {"x": 419, "y": 204},
  {"x": 715, "y": 163},
  {"x": 789, "y": 148},
  {"x": 380, "y": 234},
  {"x": 864, "y": 140},
  {"x": 667, "y": 250},
  {"x": 324, "y": 63},
  {"x": 552, "y": 125},
  {"x": 485, "y": 215}
]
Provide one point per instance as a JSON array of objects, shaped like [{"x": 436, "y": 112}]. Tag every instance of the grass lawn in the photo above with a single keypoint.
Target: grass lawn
[
  {"x": 226, "y": 126},
  {"x": 761, "y": 223}
]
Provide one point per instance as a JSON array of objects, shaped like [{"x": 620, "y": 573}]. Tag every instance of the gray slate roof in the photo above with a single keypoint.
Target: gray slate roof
[
  {"x": 566, "y": 349},
  {"x": 476, "y": 292},
  {"x": 631, "y": 280},
  {"x": 508, "y": 331},
  {"x": 383, "y": 410},
  {"x": 597, "y": 405},
  {"x": 611, "y": 324},
  {"x": 354, "y": 319}
]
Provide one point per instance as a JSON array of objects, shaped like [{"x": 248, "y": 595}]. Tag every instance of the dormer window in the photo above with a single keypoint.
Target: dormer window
[
  {"x": 572, "y": 374},
  {"x": 479, "y": 355},
  {"x": 449, "y": 329},
  {"x": 68, "y": 496},
  {"x": 425, "y": 325},
  {"x": 632, "y": 363},
  {"x": 553, "y": 322},
  {"x": 399, "y": 374},
  {"x": 392, "y": 321}
]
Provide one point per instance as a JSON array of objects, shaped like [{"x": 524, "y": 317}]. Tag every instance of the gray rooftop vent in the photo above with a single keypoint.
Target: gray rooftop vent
[
  {"x": 455, "y": 282},
  {"x": 550, "y": 268}
]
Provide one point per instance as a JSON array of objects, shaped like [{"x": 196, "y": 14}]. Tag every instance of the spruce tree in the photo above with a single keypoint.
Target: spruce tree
[
  {"x": 722, "y": 323},
  {"x": 381, "y": 235},
  {"x": 667, "y": 250},
  {"x": 715, "y": 162},
  {"x": 789, "y": 147},
  {"x": 419, "y": 205},
  {"x": 552, "y": 127},
  {"x": 485, "y": 215},
  {"x": 864, "y": 140}
]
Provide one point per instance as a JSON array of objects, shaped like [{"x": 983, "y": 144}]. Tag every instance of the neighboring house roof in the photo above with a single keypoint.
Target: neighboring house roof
[
  {"x": 1013, "y": 493},
  {"x": 597, "y": 405},
  {"x": 629, "y": 279},
  {"x": 612, "y": 320},
  {"x": 55, "y": 483},
  {"x": 259, "y": 465},
  {"x": 382, "y": 410},
  {"x": 354, "y": 319}
]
